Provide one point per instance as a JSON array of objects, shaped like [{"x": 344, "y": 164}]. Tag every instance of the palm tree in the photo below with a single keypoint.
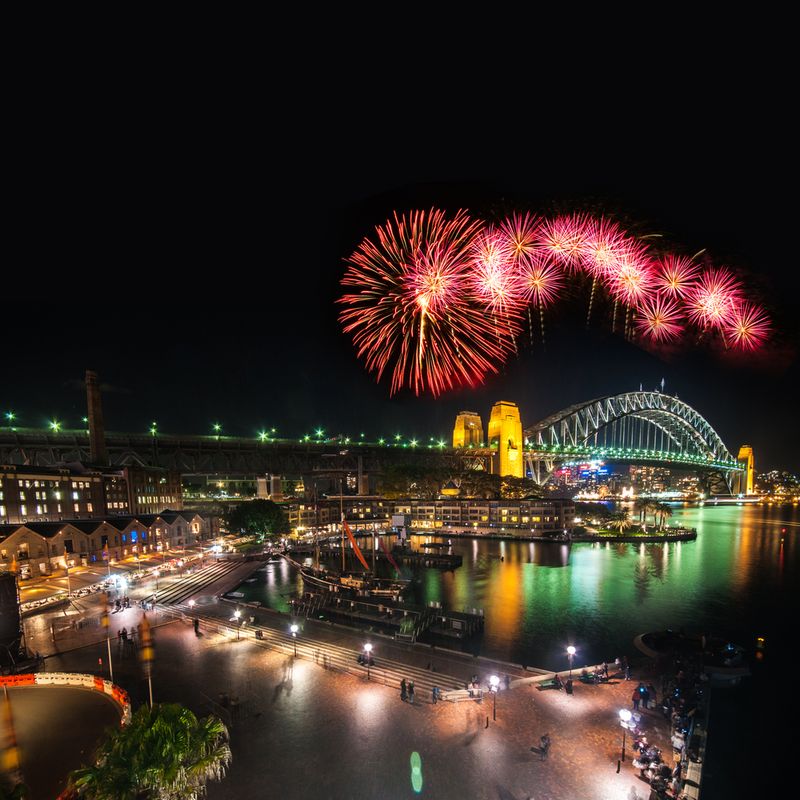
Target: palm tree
[
  {"x": 620, "y": 521},
  {"x": 164, "y": 753},
  {"x": 642, "y": 504},
  {"x": 664, "y": 512}
]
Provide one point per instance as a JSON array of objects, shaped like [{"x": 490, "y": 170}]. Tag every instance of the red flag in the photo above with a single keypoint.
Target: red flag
[{"x": 352, "y": 539}]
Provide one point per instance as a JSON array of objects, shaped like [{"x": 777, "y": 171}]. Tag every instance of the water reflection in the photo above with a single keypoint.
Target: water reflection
[{"x": 736, "y": 578}]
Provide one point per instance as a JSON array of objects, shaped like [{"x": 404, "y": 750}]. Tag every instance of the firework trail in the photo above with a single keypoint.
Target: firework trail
[
  {"x": 605, "y": 247},
  {"x": 541, "y": 281}
]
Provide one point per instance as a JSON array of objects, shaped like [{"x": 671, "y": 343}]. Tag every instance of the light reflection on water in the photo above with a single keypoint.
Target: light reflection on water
[{"x": 540, "y": 598}]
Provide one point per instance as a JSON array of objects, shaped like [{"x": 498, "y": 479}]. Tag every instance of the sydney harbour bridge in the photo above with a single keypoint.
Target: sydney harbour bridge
[{"x": 634, "y": 427}]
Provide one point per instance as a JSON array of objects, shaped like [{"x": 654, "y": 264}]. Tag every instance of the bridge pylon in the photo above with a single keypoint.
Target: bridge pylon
[
  {"x": 505, "y": 429},
  {"x": 748, "y": 464}
]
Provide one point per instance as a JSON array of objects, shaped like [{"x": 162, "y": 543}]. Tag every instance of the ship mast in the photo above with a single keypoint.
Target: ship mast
[{"x": 341, "y": 511}]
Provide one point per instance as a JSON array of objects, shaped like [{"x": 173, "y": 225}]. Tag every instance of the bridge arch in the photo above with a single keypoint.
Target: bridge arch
[{"x": 645, "y": 422}]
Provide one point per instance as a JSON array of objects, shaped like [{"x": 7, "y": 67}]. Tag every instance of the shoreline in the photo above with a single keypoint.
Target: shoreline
[{"x": 684, "y": 536}]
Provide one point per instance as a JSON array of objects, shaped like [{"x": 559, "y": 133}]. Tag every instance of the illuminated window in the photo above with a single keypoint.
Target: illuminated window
[
  {"x": 23, "y": 510},
  {"x": 76, "y": 507},
  {"x": 2, "y": 514},
  {"x": 38, "y": 509},
  {"x": 89, "y": 507},
  {"x": 76, "y": 496}
]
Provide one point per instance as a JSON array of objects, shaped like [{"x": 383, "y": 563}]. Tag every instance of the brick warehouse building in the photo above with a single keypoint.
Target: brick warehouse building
[
  {"x": 52, "y": 494},
  {"x": 42, "y": 548}
]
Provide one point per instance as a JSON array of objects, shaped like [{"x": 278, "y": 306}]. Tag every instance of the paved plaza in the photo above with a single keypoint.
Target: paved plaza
[{"x": 305, "y": 728}]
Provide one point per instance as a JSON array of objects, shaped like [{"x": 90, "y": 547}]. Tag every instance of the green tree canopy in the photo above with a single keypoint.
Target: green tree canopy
[
  {"x": 164, "y": 753},
  {"x": 258, "y": 518}
]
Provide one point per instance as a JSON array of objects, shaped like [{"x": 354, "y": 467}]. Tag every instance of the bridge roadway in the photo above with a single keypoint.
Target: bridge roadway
[{"x": 646, "y": 427}]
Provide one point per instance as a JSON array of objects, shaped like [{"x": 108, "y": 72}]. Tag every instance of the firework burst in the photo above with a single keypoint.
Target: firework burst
[
  {"x": 660, "y": 319},
  {"x": 410, "y": 311},
  {"x": 713, "y": 299},
  {"x": 675, "y": 275},
  {"x": 564, "y": 238},
  {"x": 540, "y": 280},
  {"x": 747, "y": 327},
  {"x": 493, "y": 277},
  {"x": 604, "y": 247},
  {"x": 632, "y": 281},
  {"x": 520, "y": 233}
]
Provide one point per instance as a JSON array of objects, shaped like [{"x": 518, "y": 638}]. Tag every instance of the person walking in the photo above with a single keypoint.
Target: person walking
[
  {"x": 403, "y": 690},
  {"x": 435, "y": 694},
  {"x": 635, "y": 698},
  {"x": 605, "y": 670},
  {"x": 627, "y": 667},
  {"x": 645, "y": 695},
  {"x": 411, "y": 692}
]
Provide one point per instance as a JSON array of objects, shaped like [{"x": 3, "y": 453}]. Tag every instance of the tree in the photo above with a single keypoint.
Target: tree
[
  {"x": 258, "y": 518},
  {"x": 664, "y": 512},
  {"x": 620, "y": 521},
  {"x": 164, "y": 753}
]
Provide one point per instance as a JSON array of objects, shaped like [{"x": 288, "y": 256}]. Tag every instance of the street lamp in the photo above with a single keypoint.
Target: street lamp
[
  {"x": 367, "y": 656},
  {"x": 294, "y": 629},
  {"x": 570, "y": 655},
  {"x": 494, "y": 683},
  {"x": 238, "y": 614},
  {"x": 624, "y": 719}
]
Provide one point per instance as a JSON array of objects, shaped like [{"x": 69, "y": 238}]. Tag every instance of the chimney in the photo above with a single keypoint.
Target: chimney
[{"x": 97, "y": 434}]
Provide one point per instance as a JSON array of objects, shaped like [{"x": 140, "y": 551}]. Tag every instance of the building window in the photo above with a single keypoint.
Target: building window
[
  {"x": 23, "y": 509},
  {"x": 89, "y": 507},
  {"x": 76, "y": 507},
  {"x": 68, "y": 546}
]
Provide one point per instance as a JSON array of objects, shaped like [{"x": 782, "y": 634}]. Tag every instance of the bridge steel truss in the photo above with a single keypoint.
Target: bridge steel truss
[{"x": 635, "y": 426}]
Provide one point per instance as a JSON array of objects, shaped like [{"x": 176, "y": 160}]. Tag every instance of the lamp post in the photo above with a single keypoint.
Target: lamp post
[
  {"x": 624, "y": 719},
  {"x": 367, "y": 656},
  {"x": 570, "y": 655},
  {"x": 238, "y": 615},
  {"x": 294, "y": 629},
  {"x": 494, "y": 683}
]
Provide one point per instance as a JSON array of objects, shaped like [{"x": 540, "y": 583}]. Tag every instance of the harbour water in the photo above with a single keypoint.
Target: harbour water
[{"x": 738, "y": 579}]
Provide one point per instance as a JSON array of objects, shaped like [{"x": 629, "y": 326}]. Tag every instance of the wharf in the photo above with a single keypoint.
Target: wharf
[{"x": 402, "y": 621}]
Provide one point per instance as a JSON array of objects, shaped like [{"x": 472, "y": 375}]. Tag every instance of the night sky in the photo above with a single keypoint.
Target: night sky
[{"x": 197, "y": 274}]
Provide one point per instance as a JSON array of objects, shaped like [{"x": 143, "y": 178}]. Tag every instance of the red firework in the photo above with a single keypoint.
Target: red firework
[
  {"x": 564, "y": 237},
  {"x": 493, "y": 277},
  {"x": 540, "y": 280},
  {"x": 411, "y": 314},
  {"x": 520, "y": 232},
  {"x": 604, "y": 247},
  {"x": 632, "y": 281},
  {"x": 675, "y": 275},
  {"x": 713, "y": 299},
  {"x": 747, "y": 328},
  {"x": 660, "y": 319}
]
